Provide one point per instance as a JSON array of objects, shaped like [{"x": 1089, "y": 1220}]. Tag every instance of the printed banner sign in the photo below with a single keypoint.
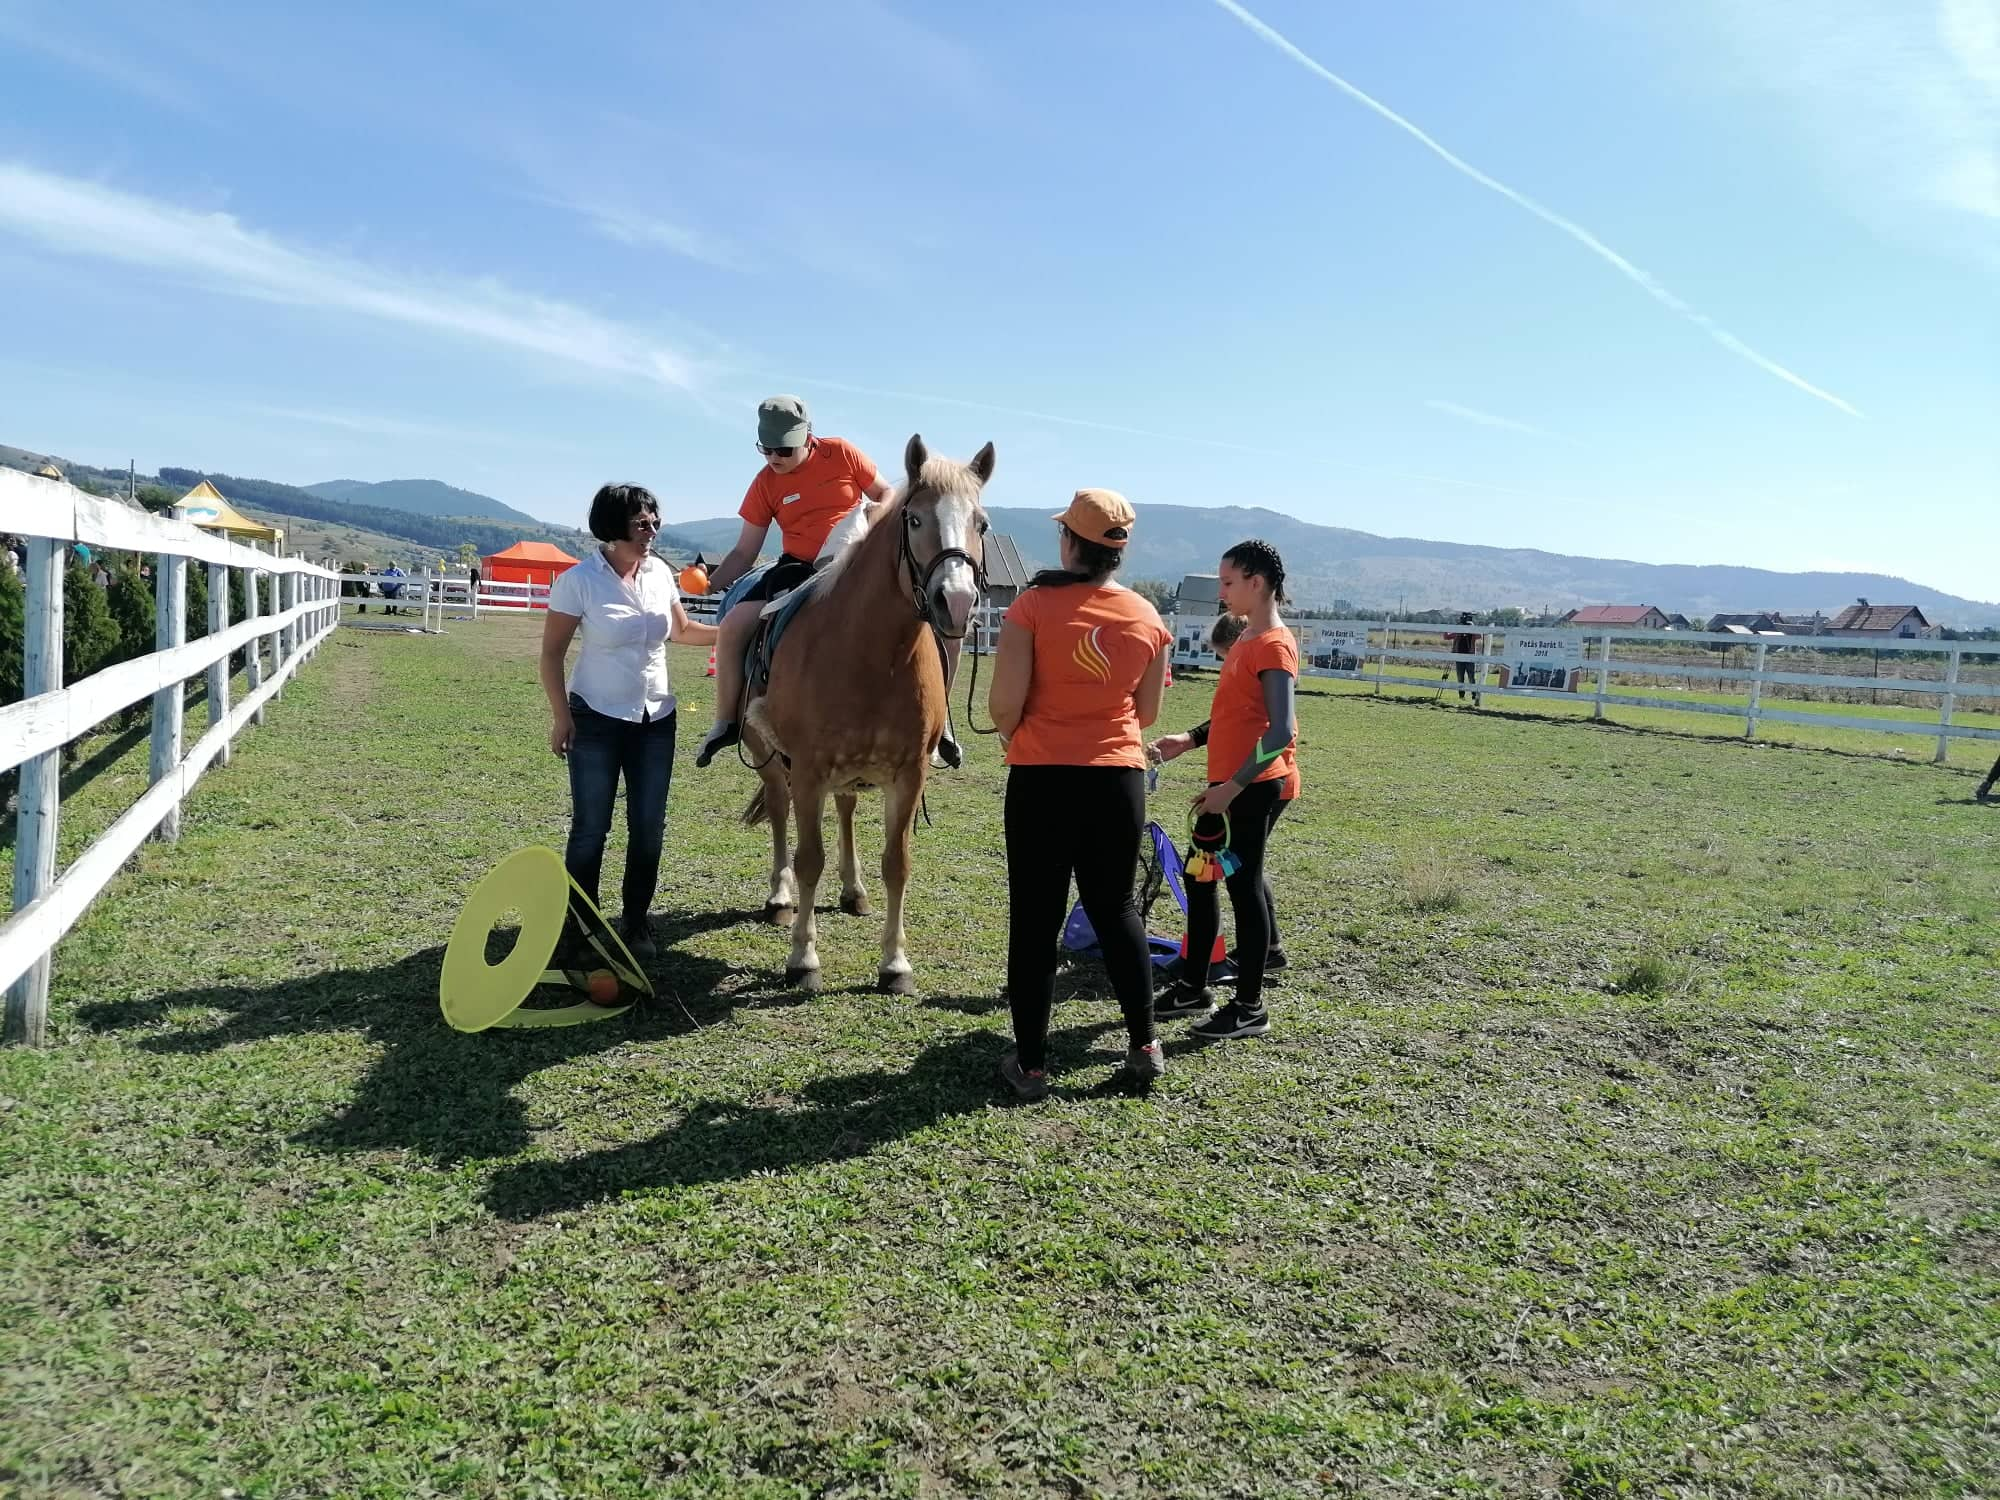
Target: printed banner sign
[
  {"x": 1542, "y": 659},
  {"x": 1336, "y": 646}
]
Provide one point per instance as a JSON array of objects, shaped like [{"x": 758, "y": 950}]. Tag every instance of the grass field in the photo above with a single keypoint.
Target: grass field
[{"x": 1628, "y": 1127}]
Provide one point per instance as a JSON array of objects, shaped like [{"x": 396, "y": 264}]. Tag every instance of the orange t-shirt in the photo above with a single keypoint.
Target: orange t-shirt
[
  {"x": 1236, "y": 717},
  {"x": 1092, "y": 646},
  {"x": 811, "y": 500}
]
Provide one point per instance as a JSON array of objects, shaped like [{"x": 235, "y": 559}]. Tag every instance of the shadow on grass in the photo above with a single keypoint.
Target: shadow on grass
[
  {"x": 831, "y": 1119},
  {"x": 433, "y": 1090}
]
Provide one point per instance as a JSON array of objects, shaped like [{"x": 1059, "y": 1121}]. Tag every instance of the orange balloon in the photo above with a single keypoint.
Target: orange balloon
[
  {"x": 603, "y": 987},
  {"x": 694, "y": 579}
]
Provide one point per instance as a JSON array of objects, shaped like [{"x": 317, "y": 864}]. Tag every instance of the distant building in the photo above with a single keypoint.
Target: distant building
[
  {"x": 1199, "y": 594},
  {"x": 1627, "y": 616},
  {"x": 1006, "y": 574},
  {"x": 1900, "y": 622},
  {"x": 1763, "y": 622}
]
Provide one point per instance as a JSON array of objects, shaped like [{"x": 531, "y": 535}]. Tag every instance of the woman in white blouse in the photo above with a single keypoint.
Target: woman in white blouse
[{"x": 618, "y": 713}]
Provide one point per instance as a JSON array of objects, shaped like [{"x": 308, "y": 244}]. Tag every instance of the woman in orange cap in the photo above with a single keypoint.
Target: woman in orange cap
[{"x": 1076, "y": 680}]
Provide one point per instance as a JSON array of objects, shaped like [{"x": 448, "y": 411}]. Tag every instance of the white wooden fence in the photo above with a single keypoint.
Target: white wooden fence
[
  {"x": 1382, "y": 657},
  {"x": 428, "y": 593},
  {"x": 290, "y": 603}
]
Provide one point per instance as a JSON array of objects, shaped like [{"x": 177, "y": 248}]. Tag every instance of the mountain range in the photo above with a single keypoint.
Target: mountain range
[
  {"x": 1325, "y": 564},
  {"x": 423, "y": 497},
  {"x": 1328, "y": 566}
]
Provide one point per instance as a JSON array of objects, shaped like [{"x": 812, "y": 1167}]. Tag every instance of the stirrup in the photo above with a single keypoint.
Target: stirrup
[{"x": 721, "y": 737}]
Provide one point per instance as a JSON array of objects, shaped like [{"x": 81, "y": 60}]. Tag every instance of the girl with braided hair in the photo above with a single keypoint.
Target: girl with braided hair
[{"x": 1253, "y": 773}]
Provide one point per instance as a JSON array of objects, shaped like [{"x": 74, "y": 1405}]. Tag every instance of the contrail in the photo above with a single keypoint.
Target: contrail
[{"x": 1644, "y": 280}]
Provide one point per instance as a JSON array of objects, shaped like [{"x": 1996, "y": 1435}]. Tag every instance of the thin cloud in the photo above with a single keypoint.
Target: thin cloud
[
  {"x": 85, "y": 219},
  {"x": 1642, "y": 279},
  {"x": 372, "y": 425},
  {"x": 132, "y": 77},
  {"x": 1488, "y": 419},
  {"x": 1899, "y": 101},
  {"x": 629, "y": 227}
]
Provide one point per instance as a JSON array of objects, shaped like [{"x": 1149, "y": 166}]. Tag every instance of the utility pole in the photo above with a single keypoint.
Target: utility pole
[{"x": 132, "y": 481}]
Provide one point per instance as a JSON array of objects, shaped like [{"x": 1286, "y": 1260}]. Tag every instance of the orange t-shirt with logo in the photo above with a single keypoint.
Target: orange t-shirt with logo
[
  {"x": 811, "y": 500},
  {"x": 1092, "y": 646},
  {"x": 1236, "y": 718}
]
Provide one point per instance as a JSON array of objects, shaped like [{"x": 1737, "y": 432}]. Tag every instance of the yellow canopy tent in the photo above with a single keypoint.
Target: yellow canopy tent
[{"x": 205, "y": 506}]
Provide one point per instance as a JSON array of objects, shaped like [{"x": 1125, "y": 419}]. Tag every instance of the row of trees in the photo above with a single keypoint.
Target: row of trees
[{"x": 103, "y": 625}]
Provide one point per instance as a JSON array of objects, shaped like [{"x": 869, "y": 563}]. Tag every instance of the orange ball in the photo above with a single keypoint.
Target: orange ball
[
  {"x": 694, "y": 579},
  {"x": 603, "y": 987}
]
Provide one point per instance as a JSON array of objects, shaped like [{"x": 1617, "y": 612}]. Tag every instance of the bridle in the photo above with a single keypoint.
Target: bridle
[
  {"x": 920, "y": 597},
  {"x": 921, "y": 579}
]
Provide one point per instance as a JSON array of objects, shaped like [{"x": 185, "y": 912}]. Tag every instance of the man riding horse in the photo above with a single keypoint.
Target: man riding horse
[{"x": 815, "y": 489}]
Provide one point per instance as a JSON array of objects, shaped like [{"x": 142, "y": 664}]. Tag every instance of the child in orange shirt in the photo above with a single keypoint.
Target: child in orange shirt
[{"x": 1253, "y": 775}]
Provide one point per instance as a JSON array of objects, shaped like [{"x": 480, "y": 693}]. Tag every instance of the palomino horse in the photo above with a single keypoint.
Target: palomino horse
[{"x": 857, "y": 698}]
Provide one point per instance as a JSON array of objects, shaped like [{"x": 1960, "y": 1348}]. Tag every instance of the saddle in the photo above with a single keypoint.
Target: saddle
[{"x": 772, "y": 621}]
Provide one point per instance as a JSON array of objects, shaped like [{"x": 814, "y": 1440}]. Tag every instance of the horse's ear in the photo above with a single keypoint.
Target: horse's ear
[
  {"x": 982, "y": 463},
  {"x": 915, "y": 456}
]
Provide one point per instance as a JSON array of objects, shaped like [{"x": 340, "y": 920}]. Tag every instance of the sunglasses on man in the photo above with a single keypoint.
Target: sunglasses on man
[{"x": 782, "y": 452}]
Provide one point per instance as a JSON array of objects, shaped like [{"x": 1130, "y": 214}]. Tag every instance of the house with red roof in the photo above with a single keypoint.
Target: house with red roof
[{"x": 1621, "y": 616}]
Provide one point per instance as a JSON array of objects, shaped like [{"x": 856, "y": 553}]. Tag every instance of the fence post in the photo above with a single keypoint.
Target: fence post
[
  {"x": 1756, "y": 692},
  {"x": 281, "y": 638},
  {"x": 1603, "y": 675},
  {"x": 169, "y": 699},
  {"x": 218, "y": 671},
  {"x": 253, "y": 652},
  {"x": 40, "y": 796},
  {"x": 1944, "y": 714}
]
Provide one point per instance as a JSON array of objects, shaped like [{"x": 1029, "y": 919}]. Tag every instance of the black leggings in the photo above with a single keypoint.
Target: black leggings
[
  {"x": 1083, "y": 821},
  {"x": 1251, "y": 818}
]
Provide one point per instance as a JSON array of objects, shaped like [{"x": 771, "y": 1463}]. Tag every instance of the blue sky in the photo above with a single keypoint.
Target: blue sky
[{"x": 1711, "y": 281}]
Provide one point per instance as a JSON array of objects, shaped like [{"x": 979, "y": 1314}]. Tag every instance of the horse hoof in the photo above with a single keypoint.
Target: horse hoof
[
  {"x": 856, "y": 905},
  {"x": 779, "y": 915},
  {"x": 803, "y": 979},
  {"x": 896, "y": 984}
]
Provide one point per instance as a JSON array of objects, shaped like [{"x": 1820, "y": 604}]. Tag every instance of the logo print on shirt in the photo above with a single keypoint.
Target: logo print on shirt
[
  {"x": 1089, "y": 655},
  {"x": 789, "y": 498}
]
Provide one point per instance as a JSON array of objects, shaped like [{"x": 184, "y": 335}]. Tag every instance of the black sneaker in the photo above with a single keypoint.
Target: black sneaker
[
  {"x": 1027, "y": 1083},
  {"x": 721, "y": 737},
  {"x": 1230, "y": 1022},
  {"x": 639, "y": 938},
  {"x": 1178, "y": 1001},
  {"x": 1273, "y": 960}
]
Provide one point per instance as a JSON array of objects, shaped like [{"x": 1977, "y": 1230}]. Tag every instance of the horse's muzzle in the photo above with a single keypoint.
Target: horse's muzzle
[{"x": 953, "y": 599}]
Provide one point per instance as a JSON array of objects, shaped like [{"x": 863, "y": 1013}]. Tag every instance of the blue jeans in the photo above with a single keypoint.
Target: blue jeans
[{"x": 604, "y": 747}]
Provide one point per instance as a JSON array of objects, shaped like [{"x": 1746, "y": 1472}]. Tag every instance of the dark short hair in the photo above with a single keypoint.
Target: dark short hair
[{"x": 613, "y": 507}]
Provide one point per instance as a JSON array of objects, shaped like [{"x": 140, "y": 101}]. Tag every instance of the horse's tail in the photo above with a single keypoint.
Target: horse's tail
[{"x": 756, "y": 812}]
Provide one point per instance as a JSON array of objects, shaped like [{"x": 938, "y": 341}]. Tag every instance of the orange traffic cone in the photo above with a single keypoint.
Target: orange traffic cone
[{"x": 711, "y": 663}]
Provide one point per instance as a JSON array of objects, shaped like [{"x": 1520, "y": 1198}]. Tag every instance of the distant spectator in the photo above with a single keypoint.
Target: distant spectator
[
  {"x": 1465, "y": 643},
  {"x": 392, "y": 591}
]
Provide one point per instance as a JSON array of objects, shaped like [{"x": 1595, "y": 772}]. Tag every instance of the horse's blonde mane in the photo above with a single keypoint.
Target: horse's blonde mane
[{"x": 946, "y": 476}]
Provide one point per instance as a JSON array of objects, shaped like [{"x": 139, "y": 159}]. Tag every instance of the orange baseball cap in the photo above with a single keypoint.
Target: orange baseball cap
[{"x": 1101, "y": 516}]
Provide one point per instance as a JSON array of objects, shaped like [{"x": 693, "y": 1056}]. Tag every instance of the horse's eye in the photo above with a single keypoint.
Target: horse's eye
[
  {"x": 983, "y": 526},
  {"x": 916, "y": 522}
]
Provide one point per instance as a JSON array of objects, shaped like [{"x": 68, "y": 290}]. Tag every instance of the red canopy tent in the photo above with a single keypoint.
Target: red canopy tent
[{"x": 527, "y": 562}]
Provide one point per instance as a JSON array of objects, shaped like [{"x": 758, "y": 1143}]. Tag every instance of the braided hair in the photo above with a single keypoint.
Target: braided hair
[{"x": 1259, "y": 559}]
